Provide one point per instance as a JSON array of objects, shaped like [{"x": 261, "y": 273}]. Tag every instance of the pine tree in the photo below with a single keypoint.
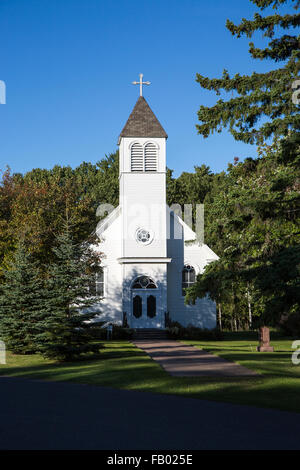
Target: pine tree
[
  {"x": 253, "y": 218},
  {"x": 21, "y": 300},
  {"x": 64, "y": 329},
  {"x": 262, "y": 95}
]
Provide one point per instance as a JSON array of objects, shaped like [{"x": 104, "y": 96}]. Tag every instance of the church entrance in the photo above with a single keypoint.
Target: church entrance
[{"x": 144, "y": 304}]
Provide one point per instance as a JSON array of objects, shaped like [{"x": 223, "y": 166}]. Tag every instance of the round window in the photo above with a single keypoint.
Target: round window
[{"x": 144, "y": 236}]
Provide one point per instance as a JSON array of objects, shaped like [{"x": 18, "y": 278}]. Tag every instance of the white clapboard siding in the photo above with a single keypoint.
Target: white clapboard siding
[
  {"x": 137, "y": 158},
  {"x": 150, "y": 157}
]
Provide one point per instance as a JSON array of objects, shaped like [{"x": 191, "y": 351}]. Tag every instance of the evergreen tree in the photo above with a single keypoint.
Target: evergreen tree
[
  {"x": 252, "y": 217},
  {"x": 262, "y": 95},
  {"x": 21, "y": 300},
  {"x": 252, "y": 223},
  {"x": 64, "y": 328}
]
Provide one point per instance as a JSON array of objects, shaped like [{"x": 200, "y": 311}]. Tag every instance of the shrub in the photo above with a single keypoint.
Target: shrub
[
  {"x": 118, "y": 332},
  {"x": 122, "y": 333},
  {"x": 177, "y": 331}
]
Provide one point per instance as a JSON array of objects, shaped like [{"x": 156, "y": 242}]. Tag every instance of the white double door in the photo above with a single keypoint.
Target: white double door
[{"x": 145, "y": 311}]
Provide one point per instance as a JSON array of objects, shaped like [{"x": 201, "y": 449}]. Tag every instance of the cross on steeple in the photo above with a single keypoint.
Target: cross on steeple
[{"x": 141, "y": 83}]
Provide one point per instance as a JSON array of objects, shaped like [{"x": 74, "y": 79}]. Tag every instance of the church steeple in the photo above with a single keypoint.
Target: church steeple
[
  {"x": 142, "y": 122},
  {"x": 143, "y": 184}
]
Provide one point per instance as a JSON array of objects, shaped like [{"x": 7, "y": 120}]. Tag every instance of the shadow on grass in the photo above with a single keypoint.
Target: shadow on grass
[{"x": 125, "y": 367}]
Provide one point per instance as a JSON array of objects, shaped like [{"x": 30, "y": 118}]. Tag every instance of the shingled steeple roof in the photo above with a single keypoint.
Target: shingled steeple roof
[{"x": 142, "y": 122}]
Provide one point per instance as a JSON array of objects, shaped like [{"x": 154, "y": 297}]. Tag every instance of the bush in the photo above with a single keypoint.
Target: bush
[
  {"x": 177, "y": 331},
  {"x": 118, "y": 332}
]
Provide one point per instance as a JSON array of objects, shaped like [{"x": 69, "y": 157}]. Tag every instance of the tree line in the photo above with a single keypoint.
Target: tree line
[{"x": 251, "y": 222}]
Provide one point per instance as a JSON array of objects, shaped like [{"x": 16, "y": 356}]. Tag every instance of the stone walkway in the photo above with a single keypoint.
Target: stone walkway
[{"x": 181, "y": 360}]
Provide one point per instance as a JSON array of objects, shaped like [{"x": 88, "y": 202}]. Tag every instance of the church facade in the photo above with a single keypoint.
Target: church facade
[{"x": 149, "y": 254}]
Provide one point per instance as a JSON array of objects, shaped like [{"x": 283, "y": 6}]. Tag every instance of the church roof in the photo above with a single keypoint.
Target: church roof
[{"x": 142, "y": 122}]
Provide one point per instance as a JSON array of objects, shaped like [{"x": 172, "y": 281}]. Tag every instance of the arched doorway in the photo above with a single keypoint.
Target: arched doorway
[{"x": 145, "y": 308}]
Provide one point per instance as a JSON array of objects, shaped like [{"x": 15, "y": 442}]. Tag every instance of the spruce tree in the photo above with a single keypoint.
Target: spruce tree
[
  {"x": 64, "y": 328},
  {"x": 21, "y": 301}
]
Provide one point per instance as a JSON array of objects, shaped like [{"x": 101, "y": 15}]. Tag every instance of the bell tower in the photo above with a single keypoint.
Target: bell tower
[{"x": 142, "y": 153}]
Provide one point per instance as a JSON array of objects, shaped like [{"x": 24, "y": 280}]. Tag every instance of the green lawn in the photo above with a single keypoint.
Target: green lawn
[{"x": 122, "y": 365}]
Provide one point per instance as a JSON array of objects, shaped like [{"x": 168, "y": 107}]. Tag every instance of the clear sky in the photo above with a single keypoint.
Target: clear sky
[{"x": 68, "y": 67}]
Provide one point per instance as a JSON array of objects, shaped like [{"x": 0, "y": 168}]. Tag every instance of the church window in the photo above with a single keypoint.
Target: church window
[
  {"x": 151, "y": 306},
  {"x": 143, "y": 236},
  {"x": 100, "y": 282},
  {"x": 150, "y": 157},
  {"x": 97, "y": 285},
  {"x": 137, "y": 157},
  {"x": 188, "y": 277},
  {"x": 144, "y": 158},
  {"x": 144, "y": 282},
  {"x": 137, "y": 306}
]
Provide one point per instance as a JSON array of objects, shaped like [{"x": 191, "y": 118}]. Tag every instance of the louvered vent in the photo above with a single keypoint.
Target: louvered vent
[
  {"x": 150, "y": 157},
  {"x": 137, "y": 160}
]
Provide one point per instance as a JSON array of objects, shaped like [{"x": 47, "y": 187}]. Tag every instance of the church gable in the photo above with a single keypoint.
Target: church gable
[
  {"x": 109, "y": 220},
  {"x": 181, "y": 234},
  {"x": 178, "y": 226}
]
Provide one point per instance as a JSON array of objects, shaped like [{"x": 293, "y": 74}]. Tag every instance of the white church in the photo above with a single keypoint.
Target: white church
[{"x": 146, "y": 260}]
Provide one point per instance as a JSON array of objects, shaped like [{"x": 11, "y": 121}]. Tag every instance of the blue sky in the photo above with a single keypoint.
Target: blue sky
[{"x": 68, "y": 67}]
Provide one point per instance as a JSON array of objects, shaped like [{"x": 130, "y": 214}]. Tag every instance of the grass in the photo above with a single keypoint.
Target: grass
[{"x": 124, "y": 366}]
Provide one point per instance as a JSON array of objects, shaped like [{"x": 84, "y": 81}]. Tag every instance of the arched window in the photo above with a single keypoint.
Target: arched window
[
  {"x": 143, "y": 158},
  {"x": 137, "y": 157},
  {"x": 150, "y": 157},
  {"x": 144, "y": 282},
  {"x": 188, "y": 277}
]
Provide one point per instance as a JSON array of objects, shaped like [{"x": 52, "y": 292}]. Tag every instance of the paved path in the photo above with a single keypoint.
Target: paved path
[
  {"x": 182, "y": 360},
  {"x": 59, "y": 415}
]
